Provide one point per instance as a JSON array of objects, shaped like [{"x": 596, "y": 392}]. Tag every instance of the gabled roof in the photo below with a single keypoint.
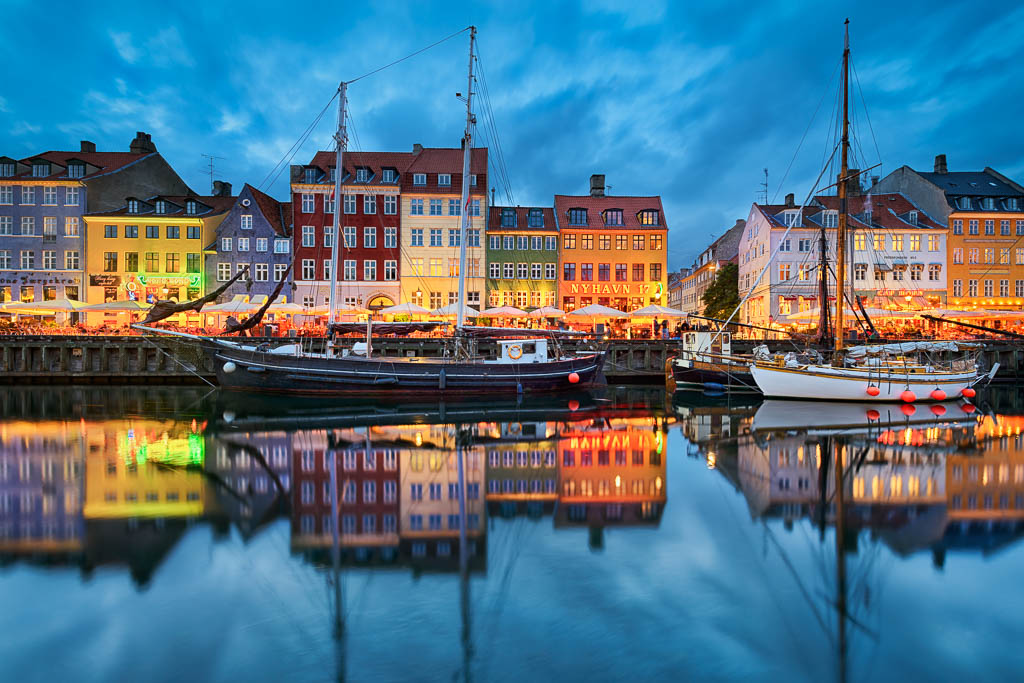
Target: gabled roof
[
  {"x": 99, "y": 163},
  {"x": 522, "y": 218},
  {"x": 375, "y": 161},
  {"x": 448, "y": 160},
  {"x": 630, "y": 206},
  {"x": 889, "y": 211},
  {"x": 213, "y": 205},
  {"x": 272, "y": 210},
  {"x": 971, "y": 184}
]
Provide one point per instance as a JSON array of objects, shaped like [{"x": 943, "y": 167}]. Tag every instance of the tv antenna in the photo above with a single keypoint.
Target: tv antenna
[
  {"x": 211, "y": 158},
  {"x": 764, "y": 186}
]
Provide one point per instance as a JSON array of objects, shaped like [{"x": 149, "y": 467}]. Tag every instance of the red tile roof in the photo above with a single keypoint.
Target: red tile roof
[
  {"x": 522, "y": 218},
  {"x": 272, "y": 210},
  {"x": 106, "y": 162},
  {"x": 448, "y": 160},
  {"x": 887, "y": 211},
  {"x": 630, "y": 206},
  {"x": 375, "y": 161}
]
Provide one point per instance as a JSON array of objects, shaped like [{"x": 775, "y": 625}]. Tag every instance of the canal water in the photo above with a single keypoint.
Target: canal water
[{"x": 161, "y": 534}]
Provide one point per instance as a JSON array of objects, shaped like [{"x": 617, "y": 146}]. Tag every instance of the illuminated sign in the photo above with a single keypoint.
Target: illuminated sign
[
  {"x": 189, "y": 280},
  {"x": 598, "y": 288}
]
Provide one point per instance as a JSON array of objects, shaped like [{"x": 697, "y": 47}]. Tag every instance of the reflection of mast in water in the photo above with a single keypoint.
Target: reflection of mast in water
[
  {"x": 467, "y": 639},
  {"x": 339, "y": 623}
]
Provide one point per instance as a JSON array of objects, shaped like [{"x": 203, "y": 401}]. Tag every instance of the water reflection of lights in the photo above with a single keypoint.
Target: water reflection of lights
[{"x": 712, "y": 460}]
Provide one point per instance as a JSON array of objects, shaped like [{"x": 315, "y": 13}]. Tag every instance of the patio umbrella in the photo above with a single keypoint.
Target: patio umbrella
[
  {"x": 453, "y": 310},
  {"x": 290, "y": 308},
  {"x": 54, "y": 306},
  {"x": 655, "y": 310},
  {"x": 127, "y": 306},
  {"x": 546, "y": 312},
  {"x": 232, "y": 308},
  {"x": 503, "y": 312},
  {"x": 596, "y": 311},
  {"x": 404, "y": 309}
]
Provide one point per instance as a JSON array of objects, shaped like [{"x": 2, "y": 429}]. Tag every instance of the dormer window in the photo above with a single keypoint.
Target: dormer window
[
  {"x": 161, "y": 206},
  {"x": 791, "y": 218},
  {"x": 650, "y": 217},
  {"x": 912, "y": 217},
  {"x": 988, "y": 203},
  {"x": 419, "y": 178},
  {"x": 40, "y": 170},
  {"x": 830, "y": 219},
  {"x": 310, "y": 176},
  {"x": 334, "y": 175},
  {"x": 7, "y": 169},
  {"x": 190, "y": 208},
  {"x": 362, "y": 175},
  {"x": 444, "y": 179},
  {"x": 508, "y": 218},
  {"x": 965, "y": 202},
  {"x": 1013, "y": 204},
  {"x": 472, "y": 180},
  {"x": 390, "y": 175},
  {"x": 577, "y": 217},
  {"x": 76, "y": 171},
  {"x": 133, "y": 206},
  {"x": 535, "y": 218},
  {"x": 613, "y": 217}
]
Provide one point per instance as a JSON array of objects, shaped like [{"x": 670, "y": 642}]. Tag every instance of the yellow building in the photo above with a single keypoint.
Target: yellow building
[
  {"x": 989, "y": 485},
  {"x": 431, "y": 224},
  {"x": 151, "y": 249}
]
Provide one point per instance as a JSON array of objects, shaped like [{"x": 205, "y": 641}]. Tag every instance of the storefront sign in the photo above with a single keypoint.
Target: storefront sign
[
  {"x": 618, "y": 288},
  {"x": 104, "y": 280},
  {"x": 34, "y": 279},
  {"x": 189, "y": 280}
]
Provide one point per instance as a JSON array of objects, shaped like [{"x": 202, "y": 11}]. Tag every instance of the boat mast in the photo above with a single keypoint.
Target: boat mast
[
  {"x": 843, "y": 170},
  {"x": 340, "y": 141},
  {"x": 467, "y": 150}
]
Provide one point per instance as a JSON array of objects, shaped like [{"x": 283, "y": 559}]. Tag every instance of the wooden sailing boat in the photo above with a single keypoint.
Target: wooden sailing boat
[
  {"x": 887, "y": 373},
  {"x": 522, "y": 365}
]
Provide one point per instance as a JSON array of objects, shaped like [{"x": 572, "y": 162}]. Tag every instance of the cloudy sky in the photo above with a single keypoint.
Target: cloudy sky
[{"x": 689, "y": 102}]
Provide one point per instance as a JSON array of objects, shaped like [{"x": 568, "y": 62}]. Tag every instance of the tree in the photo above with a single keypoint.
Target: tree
[{"x": 723, "y": 296}]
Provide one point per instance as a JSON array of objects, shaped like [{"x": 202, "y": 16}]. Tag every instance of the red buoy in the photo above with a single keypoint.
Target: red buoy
[
  {"x": 938, "y": 411},
  {"x": 873, "y": 390},
  {"x": 968, "y": 392},
  {"x": 908, "y": 396},
  {"x": 873, "y": 414},
  {"x": 574, "y": 405},
  {"x": 908, "y": 409},
  {"x": 574, "y": 378},
  {"x": 939, "y": 395},
  {"x": 967, "y": 408}
]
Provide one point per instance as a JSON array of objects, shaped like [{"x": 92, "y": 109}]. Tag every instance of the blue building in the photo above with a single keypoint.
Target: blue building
[
  {"x": 43, "y": 199},
  {"x": 255, "y": 233}
]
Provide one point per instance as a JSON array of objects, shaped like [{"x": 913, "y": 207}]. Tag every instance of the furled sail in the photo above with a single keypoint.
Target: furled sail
[{"x": 165, "y": 308}]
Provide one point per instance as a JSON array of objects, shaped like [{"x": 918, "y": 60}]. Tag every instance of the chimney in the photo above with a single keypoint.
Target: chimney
[
  {"x": 142, "y": 144},
  {"x": 221, "y": 188},
  {"x": 740, "y": 221},
  {"x": 417, "y": 148},
  {"x": 790, "y": 200},
  {"x": 853, "y": 182},
  {"x": 874, "y": 180},
  {"x": 597, "y": 185},
  {"x": 940, "y": 163},
  {"x": 88, "y": 146}
]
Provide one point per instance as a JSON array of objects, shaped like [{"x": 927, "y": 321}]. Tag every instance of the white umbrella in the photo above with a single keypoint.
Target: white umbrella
[
  {"x": 546, "y": 312},
  {"x": 453, "y": 310},
  {"x": 596, "y": 311},
  {"x": 232, "y": 307},
  {"x": 54, "y": 306},
  {"x": 655, "y": 310},
  {"x": 404, "y": 309},
  {"x": 503, "y": 312},
  {"x": 290, "y": 308},
  {"x": 127, "y": 306}
]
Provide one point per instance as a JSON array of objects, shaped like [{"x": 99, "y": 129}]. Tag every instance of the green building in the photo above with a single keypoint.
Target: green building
[{"x": 522, "y": 257}]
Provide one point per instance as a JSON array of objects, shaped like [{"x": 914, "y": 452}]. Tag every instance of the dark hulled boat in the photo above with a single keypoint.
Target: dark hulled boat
[{"x": 705, "y": 363}]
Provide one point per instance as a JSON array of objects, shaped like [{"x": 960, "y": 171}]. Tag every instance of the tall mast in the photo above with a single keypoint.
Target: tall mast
[
  {"x": 467, "y": 150},
  {"x": 843, "y": 170},
  {"x": 340, "y": 141}
]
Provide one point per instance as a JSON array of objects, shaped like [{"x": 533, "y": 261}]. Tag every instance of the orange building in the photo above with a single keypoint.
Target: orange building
[{"x": 612, "y": 250}]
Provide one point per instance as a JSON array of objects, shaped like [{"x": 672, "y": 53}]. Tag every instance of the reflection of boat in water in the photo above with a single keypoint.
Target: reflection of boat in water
[{"x": 817, "y": 416}]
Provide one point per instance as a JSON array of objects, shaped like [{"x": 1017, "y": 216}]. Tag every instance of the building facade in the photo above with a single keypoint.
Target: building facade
[
  {"x": 705, "y": 269},
  {"x": 42, "y": 202},
  {"x": 522, "y": 257},
  {"x": 431, "y": 227},
  {"x": 612, "y": 250},
  {"x": 369, "y": 265},
  {"x": 984, "y": 211},
  {"x": 151, "y": 249},
  {"x": 255, "y": 232}
]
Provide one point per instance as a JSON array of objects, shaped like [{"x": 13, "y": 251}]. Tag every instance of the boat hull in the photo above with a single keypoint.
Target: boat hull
[
  {"x": 851, "y": 384},
  {"x": 246, "y": 370},
  {"x": 729, "y": 378}
]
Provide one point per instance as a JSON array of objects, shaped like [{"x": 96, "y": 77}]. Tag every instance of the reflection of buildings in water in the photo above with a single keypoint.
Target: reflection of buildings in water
[
  {"x": 611, "y": 473},
  {"x": 41, "y": 489},
  {"x": 522, "y": 470},
  {"x": 252, "y": 471}
]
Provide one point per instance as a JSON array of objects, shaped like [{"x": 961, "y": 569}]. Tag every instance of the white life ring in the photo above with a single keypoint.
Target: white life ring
[{"x": 515, "y": 351}]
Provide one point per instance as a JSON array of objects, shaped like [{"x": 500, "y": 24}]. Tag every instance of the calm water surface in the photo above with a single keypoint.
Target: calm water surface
[{"x": 170, "y": 534}]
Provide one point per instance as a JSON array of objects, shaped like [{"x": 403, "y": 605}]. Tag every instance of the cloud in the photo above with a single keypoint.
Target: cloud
[
  {"x": 25, "y": 128},
  {"x": 233, "y": 122},
  {"x": 3, "y": 105},
  {"x": 124, "y": 47},
  {"x": 164, "y": 49}
]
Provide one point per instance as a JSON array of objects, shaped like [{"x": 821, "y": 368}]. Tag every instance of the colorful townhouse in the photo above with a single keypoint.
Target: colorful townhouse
[
  {"x": 702, "y": 274},
  {"x": 43, "y": 199},
  {"x": 984, "y": 211},
  {"x": 152, "y": 248},
  {"x": 369, "y": 264},
  {"x": 431, "y": 227},
  {"x": 613, "y": 250},
  {"x": 898, "y": 255},
  {"x": 522, "y": 257},
  {"x": 255, "y": 232}
]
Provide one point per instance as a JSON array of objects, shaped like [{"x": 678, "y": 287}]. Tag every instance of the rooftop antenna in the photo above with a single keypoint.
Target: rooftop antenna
[
  {"x": 764, "y": 186},
  {"x": 211, "y": 158}
]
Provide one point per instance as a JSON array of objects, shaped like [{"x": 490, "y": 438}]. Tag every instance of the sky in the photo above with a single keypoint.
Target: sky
[{"x": 690, "y": 101}]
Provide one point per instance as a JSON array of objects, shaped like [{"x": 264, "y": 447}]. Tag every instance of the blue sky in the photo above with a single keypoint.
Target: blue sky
[{"x": 684, "y": 100}]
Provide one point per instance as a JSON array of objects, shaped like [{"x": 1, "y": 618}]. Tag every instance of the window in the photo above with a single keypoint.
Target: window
[
  {"x": 577, "y": 216},
  {"x": 308, "y": 203},
  {"x": 1004, "y": 227},
  {"x": 245, "y": 221},
  {"x": 444, "y": 179},
  {"x": 49, "y": 260},
  {"x": 1018, "y": 288},
  {"x": 1004, "y": 288},
  {"x": 6, "y": 194},
  {"x": 5, "y": 264},
  {"x": 416, "y": 207},
  {"x": 990, "y": 255},
  {"x": 71, "y": 195},
  {"x": 453, "y": 208},
  {"x": 586, "y": 242},
  {"x": 308, "y": 237},
  {"x": 281, "y": 246},
  {"x": 131, "y": 261},
  {"x": 860, "y": 271},
  {"x": 958, "y": 287},
  {"x": 49, "y": 196},
  {"x": 369, "y": 270},
  {"x": 655, "y": 242},
  {"x": 523, "y": 270},
  {"x": 1004, "y": 256},
  {"x": 638, "y": 272},
  {"x": 454, "y": 238},
  {"x": 6, "y": 169},
  {"x": 310, "y": 175},
  {"x": 915, "y": 242},
  {"x": 390, "y": 238},
  {"x": 915, "y": 271},
  {"x": 370, "y": 237},
  {"x": 390, "y": 270},
  {"x": 933, "y": 271},
  {"x": 329, "y": 202},
  {"x": 152, "y": 262},
  {"x": 958, "y": 227},
  {"x": 416, "y": 237},
  {"x": 474, "y": 208},
  {"x": 262, "y": 244},
  {"x": 349, "y": 204},
  {"x": 243, "y": 244},
  {"x": 897, "y": 242},
  {"x": 417, "y": 266},
  {"x": 972, "y": 227},
  {"x": 435, "y": 237},
  {"x": 435, "y": 207},
  {"x": 1020, "y": 227},
  {"x": 193, "y": 263},
  {"x": 972, "y": 288},
  {"x": 390, "y": 205},
  {"x": 350, "y": 269},
  {"x": 109, "y": 231},
  {"x": 830, "y": 219},
  {"x": 655, "y": 271},
  {"x": 972, "y": 255},
  {"x": 172, "y": 262},
  {"x": 568, "y": 272},
  {"x": 419, "y": 178},
  {"x": 109, "y": 261},
  {"x": 988, "y": 287},
  {"x": 494, "y": 270},
  {"x": 1019, "y": 256},
  {"x": 990, "y": 226},
  {"x": 621, "y": 272},
  {"x": 804, "y": 272},
  {"x": 308, "y": 269},
  {"x": 551, "y": 243},
  {"x": 435, "y": 299},
  {"x": 509, "y": 271},
  {"x": 279, "y": 270},
  {"x": 71, "y": 260},
  {"x": 152, "y": 232},
  {"x": 613, "y": 217}
]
